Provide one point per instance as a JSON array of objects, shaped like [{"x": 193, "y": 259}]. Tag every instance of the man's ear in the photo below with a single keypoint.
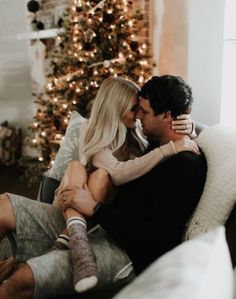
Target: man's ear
[{"x": 167, "y": 116}]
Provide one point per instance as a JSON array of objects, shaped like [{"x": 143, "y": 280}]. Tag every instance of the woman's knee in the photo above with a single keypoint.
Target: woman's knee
[{"x": 101, "y": 175}]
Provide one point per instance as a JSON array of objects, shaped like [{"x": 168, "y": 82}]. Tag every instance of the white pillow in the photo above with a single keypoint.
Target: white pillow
[
  {"x": 219, "y": 194},
  {"x": 69, "y": 149},
  {"x": 196, "y": 269}
]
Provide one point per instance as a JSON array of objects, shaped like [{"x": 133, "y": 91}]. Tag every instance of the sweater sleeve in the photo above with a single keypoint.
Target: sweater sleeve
[{"x": 123, "y": 172}]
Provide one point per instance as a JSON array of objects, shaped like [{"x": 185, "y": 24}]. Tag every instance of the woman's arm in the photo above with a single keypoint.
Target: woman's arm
[{"x": 123, "y": 172}]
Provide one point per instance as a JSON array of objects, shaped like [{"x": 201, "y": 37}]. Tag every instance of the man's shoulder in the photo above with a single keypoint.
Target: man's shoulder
[
  {"x": 187, "y": 162},
  {"x": 187, "y": 157}
]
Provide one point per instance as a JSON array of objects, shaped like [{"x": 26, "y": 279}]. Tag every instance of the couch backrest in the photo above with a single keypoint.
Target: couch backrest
[{"x": 219, "y": 194}]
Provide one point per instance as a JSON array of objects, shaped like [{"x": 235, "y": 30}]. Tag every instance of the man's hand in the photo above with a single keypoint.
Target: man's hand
[{"x": 77, "y": 198}]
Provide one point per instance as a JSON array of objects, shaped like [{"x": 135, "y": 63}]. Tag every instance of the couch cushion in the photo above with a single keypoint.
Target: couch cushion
[
  {"x": 196, "y": 269},
  {"x": 219, "y": 194},
  {"x": 69, "y": 147},
  {"x": 47, "y": 189}
]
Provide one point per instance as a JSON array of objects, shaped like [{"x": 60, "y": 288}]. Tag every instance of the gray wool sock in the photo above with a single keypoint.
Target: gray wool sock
[
  {"x": 62, "y": 242},
  {"x": 83, "y": 259}
]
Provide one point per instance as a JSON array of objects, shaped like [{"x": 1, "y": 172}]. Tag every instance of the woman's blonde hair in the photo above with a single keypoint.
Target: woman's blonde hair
[{"x": 105, "y": 127}]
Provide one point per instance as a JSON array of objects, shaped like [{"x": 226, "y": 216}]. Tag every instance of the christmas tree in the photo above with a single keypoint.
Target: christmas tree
[{"x": 101, "y": 39}]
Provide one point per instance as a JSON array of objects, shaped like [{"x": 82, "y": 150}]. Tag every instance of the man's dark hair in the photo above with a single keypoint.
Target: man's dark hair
[{"x": 167, "y": 93}]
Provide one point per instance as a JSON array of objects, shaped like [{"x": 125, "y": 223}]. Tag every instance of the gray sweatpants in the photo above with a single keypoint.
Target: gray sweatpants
[{"x": 37, "y": 227}]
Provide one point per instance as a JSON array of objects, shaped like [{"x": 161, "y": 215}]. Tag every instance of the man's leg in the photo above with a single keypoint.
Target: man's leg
[
  {"x": 7, "y": 267},
  {"x": 32, "y": 227},
  {"x": 7, "y": 219},
  {"x": 7, "y": 222},
  {"x": 20, "y": 285}
]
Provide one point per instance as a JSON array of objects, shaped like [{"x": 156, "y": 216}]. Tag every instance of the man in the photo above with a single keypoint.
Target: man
[{"x": 147, "y": 218}]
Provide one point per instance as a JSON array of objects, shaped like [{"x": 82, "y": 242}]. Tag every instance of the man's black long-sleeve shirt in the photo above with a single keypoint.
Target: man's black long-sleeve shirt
[{"x": 148, "y": 216}]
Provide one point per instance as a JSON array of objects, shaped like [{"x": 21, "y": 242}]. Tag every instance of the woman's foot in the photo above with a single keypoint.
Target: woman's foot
[{"x": 83, "y": 259}]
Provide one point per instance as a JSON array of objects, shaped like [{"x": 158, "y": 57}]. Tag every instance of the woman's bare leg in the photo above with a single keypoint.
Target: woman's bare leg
[
  {"x": 99, "y": 184},
  {"x": 82, "y": 257},
  {"x": 75, "y": 175},
  {"x": 85, "y": 268}
]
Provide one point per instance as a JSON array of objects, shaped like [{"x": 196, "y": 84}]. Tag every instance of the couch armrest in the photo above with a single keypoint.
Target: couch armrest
[{"x": 47, "y": 189}]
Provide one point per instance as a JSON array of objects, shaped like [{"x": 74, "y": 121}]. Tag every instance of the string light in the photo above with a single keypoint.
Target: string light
[
  {"x": 130, "y": 23},
  {"x": 58, "y": 136},
  {"x": 80, "y": 65}
]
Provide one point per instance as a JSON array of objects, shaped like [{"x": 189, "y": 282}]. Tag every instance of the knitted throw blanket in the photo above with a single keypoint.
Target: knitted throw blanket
[{"x": 219, "y": 194}]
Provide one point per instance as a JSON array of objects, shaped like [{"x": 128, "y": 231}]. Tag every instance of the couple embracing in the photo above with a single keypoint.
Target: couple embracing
[{"x": 159, "y": 173}]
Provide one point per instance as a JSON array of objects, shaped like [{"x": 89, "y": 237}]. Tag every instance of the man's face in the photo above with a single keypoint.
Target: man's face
[{"x": 153, "y": 125}]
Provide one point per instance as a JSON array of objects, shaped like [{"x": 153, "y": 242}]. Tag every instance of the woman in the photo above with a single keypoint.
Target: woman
[{"x": 112, "y": 142}]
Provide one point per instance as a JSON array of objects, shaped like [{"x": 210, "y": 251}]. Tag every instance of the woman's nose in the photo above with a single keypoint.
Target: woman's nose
[{"x": 139, "y": 114}]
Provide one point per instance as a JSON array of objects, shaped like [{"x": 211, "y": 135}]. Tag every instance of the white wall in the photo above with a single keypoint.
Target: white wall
[
  {"x": 170, "y": 33},
  {"x": 191, "y": 46},
  {"x": 16, "y": 103},
  {"x": 205, "y": 55}
]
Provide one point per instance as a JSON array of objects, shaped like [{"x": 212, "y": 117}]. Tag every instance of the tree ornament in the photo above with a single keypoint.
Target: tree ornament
[
  {"x": 108, "y": 18},
  {"x": 40, "y": 25},
  {"x": 134, "y": 45},
  {"x": 33, "y": 6},
  {"x": 89, "y": 36},
  {"x": 87, "y": 46},
  {"x": 106, "y": 63},
  {"x": 60, "y": 22}
]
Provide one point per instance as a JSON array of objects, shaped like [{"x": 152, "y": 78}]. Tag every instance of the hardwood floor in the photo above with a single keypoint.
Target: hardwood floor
[{"x": 11, "y": 180}]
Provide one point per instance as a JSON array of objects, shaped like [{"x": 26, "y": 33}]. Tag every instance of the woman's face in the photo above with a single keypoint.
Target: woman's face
[{"x": 129, "y": 118}]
